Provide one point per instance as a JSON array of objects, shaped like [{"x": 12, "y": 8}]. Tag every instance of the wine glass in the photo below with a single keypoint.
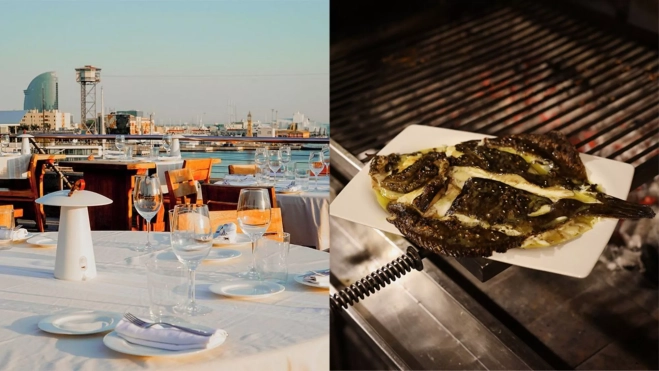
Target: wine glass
[
  {"x": 167, "y": 143},
  {"x": 274, "y": 162},
  {"x": 253, "y": 218},
  {"x": 147, "y": 198},
  {"x": 316, "y": 165},
  {"x": 120, "y": 142},
  {"x": 285, "y": 157},
  {"x": 4, "y": 143},
  {"x": 260, "y": 159},
  {"x": 192, "y": 239},
  {"x": 326, "y": 157}
]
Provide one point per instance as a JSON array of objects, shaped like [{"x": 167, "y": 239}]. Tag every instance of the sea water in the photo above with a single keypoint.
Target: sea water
[{"x": 244, "y": 157}]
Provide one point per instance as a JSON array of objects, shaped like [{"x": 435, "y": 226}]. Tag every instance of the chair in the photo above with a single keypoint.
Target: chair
[
  {"x": 28, "y": 190},
  {"x": 200, "y": 167},
  {"x": 242, "y": 169},
  {"x": 231, "y": 216},
  {"x": 225, "y": 197},
  {"x": 180, "y": 187}
]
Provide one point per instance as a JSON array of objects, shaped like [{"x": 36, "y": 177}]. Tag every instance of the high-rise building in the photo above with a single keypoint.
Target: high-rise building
[{"x": 42, "y": 93}]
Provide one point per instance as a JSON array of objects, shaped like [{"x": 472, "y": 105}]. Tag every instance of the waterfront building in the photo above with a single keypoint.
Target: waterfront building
[
  {"x": 125, "y": 122},
  {"x": 42, "y": 93},
  {"x": 46, "y": 120}
]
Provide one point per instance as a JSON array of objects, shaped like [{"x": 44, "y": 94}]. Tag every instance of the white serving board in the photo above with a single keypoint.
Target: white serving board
[{"x": 576, "y": 258}]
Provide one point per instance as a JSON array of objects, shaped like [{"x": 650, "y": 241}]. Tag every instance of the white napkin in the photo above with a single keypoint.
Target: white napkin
[
  {"x": 164, "y": 337},
  {"x": 227, "y": 232},
  {"x": 14, "y": 235}
]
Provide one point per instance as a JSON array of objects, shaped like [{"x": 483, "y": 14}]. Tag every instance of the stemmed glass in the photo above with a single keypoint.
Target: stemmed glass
[
  {"x": 147, "y": 198},
  {"x": 326, "y": 157},
  {"x": 316, "y": 165},
  {"x": 274, "y": 162},
  {"x": 260, "y": 159},
  {"x": 167, "y": 143},
  {"x": 253, "y": 218},
  {"x": 192, "y": 239},
  {"x": 285, "y": 157},
  {"x": 4, "y": 143},
  {"x": 120, "y": 142}
]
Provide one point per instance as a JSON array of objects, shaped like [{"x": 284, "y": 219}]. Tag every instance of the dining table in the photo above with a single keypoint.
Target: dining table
[
  {"x": 286, "y": 331},
  {"x": 305, "y": 213}
]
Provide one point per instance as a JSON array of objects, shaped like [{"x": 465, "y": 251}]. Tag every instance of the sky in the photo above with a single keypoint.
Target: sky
[{"x": 180, "y": 59}]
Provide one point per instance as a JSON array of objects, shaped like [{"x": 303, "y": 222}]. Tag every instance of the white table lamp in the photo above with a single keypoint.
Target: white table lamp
[{"x": 74, "y": 259}]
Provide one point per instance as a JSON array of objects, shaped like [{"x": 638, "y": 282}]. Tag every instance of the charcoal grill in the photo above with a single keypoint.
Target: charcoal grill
[
  {"x": 515, "y": 67},
  {"x": 492, "y": 67}
]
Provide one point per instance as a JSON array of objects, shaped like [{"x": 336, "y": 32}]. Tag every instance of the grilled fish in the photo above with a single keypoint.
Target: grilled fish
[{"x": 480, "y": 197}]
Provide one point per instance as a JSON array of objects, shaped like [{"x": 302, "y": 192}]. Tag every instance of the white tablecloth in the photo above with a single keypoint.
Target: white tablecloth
[
  {"x": 304, "y": 215},
  {"x": 14, "y": 166},
  {"x": 288, "y": 331}
]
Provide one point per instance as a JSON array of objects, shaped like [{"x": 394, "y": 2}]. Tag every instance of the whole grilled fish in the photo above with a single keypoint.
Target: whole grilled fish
[{"x": 478, "y": 197}]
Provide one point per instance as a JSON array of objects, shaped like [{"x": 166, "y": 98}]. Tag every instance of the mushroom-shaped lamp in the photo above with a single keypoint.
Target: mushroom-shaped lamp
[{"x": 74, "y": 259}]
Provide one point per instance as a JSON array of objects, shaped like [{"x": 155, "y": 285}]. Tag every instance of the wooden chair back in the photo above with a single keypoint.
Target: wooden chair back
[
  {"x": 180, "y": 187},
  {"x": 7, "y": 215},
  {"x": 231, "y": 216},
  {"x": 200, "y": 167},
  {"x": 225, "y": 197},
  {"x": 242, "y": 169}
]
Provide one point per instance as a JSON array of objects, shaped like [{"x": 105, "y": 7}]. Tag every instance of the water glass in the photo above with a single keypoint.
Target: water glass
[
  {"x": 261, "y": 160},
  {"x": 147, "y": 198},
  {"x": 167, "y": 143},
  {"x": 129, "y": 152},
  {"x": 271, "y": 257},
  {"x": 155, "y": 152},
  {"x": 316, "y": 165},
  {"x": 167, "y": 286},
  {"x": 285, "y": 157},
  {"x": 120, "y": 142},
  {"x": 254, "y": 213},
  {"x": 274, "y": 162},
  {"x": 192, "y": 239},
  {"x": 4, "y": 143},
  {"x": 302, "y": 175}
]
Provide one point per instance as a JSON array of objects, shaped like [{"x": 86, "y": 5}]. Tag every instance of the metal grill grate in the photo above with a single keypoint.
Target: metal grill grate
[{"x": 518, "y": 68}]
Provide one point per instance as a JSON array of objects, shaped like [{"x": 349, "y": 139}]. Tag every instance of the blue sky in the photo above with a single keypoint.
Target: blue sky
[{"x": 179, "y": 59}]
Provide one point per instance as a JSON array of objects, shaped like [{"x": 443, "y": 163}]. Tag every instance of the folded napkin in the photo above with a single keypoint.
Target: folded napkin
[
  {"x": 166, "y": 158},
  {"x": 165, "y": 337},
  {"x": 13, "y": 234},
  {"x": 319, "y": 277},
  {"x": 227, "y": 232}
]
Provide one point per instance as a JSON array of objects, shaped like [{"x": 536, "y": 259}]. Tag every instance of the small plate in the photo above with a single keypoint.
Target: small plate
[
  {"x": 247, "y": 289},
  {"x": 80, "y": 323},
  {"x": 241, "y": 239},
  {"x": 218, "y": 255},
  {"x": 119, "y": 344},
  {"x": 48, "y": 239},
  {"x": 300, "y": 279}
]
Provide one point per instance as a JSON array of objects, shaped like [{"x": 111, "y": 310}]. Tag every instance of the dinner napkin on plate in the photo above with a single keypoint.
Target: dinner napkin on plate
[
  {"x": 164, "y": 337},
  {"x": 227, "y": 232},
  {"x": 14, "y": 235},
  {"x": 318, "y": 277}
]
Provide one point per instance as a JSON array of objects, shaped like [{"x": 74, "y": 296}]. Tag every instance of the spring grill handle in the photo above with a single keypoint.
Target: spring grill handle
[{"x": 378, "y": 279}]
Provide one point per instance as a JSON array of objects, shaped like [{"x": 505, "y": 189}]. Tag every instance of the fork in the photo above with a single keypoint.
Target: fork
[{"x": 138, "y": 322}]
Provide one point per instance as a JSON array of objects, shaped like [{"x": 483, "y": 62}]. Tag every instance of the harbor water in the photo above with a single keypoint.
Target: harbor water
[{"x": 242, "y": 157}]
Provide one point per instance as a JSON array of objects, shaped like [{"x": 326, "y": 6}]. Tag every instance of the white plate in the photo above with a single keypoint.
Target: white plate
[
  {"x": 241, "y": 239},
  {"x": 80, "y": 323},
  {"x": 218, "y": 255},
  {"x": 119, "y": 344},
  {"x": 576, "y": 258},
  {"x": 247, "y": 289},
  {"x": 300, "y": 279},
  {"x": 48, "y": 239}
]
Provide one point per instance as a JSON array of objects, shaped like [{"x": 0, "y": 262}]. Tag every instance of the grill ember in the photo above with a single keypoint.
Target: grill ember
[{"x": 519, "y": 69}]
